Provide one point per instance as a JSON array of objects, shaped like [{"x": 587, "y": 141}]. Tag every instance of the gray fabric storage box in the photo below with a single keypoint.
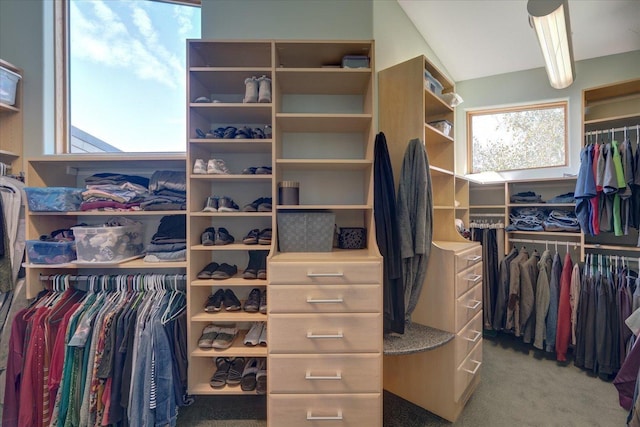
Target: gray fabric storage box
[{"x": 306, "y": 231}]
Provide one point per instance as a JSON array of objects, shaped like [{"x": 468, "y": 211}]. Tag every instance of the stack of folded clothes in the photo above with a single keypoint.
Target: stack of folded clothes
[
  {"x": 561, "y": 220},
  {"x": 114, "y": 191},
  {"x": 170, "y": 241},
  {"x": 538, "y": 219},
  {"x": 526, "y": 197},
  {"x": 167, "y": 191}
]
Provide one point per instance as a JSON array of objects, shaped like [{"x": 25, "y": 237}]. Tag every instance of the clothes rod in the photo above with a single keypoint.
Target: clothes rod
[
  {"x": 606, "y": 131},
  {"x": 546, "y": 242},
  {"x": 488, "y": 215}
]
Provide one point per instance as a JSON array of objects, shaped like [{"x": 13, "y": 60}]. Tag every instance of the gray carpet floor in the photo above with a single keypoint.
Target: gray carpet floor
[{"x": 519, "y": 386}]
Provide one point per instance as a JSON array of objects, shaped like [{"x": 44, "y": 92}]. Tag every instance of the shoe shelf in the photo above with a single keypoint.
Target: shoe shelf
[
  {"x": 230, "y": 177},
  {"x": 230, "y": 114},
  {"x": 230, "y": 214},
  {"x": 232, "y": 282},
  {"x": 234, "y": 145},
  {"x": 228, "y": 316},
  {"x": 238, "y": 348},
  {"x": 231, "y": 247}
]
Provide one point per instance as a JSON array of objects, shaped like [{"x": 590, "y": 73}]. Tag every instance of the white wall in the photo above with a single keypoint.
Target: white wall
[
  {"x": 26, "y": 41},
  {"x": 287, "y": 19},
  {"x": 532, "y": 86}
]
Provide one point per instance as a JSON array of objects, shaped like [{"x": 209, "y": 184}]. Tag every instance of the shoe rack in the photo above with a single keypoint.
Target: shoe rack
[
  {"x": 217, "y": 71},
  {"x": 324, "y": 310}
]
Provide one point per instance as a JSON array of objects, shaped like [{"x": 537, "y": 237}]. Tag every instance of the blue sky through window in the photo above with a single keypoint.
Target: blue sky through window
[{"x": 127, "y": 71}]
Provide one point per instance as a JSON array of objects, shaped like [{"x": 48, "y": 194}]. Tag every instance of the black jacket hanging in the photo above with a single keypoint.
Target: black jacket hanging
[{"x": 387, "y": 237}]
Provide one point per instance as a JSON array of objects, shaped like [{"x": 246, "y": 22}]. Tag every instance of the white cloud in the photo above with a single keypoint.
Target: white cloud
[
  {"x": 183, "y": 15},
  {"x": 103, "y": 37}
]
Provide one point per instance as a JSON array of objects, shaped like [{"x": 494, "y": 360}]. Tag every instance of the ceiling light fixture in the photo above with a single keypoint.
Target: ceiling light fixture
[{"x": 550, "y": 19}]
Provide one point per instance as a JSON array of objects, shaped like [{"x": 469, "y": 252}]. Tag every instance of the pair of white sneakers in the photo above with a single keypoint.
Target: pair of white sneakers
[
  {"x": 257, "y": 89},
  {"x": 256, "y": 335},
  {"x": 212, "y": 167}
]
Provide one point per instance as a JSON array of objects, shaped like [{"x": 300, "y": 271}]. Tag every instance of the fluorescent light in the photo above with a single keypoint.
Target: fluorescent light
[{"x": 550, "y": 19}]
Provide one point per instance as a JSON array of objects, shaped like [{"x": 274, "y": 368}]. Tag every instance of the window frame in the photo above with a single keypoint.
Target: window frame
[
  {"x": 564, "y": 104},
  {"x": 62, "y": 134}
]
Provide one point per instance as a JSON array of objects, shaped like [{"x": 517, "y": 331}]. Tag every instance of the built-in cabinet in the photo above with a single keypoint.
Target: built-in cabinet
[
  {"x": 71, "y": 171},
  {"x": 324, "y": 309},
  {"x": 440, "y": 380},
  {"x": 11, "y": 126}
]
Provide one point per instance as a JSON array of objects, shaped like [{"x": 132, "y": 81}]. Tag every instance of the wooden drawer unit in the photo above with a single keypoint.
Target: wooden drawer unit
[
  {"x": 467, "y": 258},
  {"x": 341, "y": 410},
  {"x": 467, "y": 338},
  {"x": 467, "y": 371},
  {"x": 328, "y": 333},
  {"x": 467, "y": 279},
  {"x": 312, "y": 272},
  {"x": 325, "y": 374},
  {"x": 325, "y": 298},
  {"x": 467, "y": 306}
]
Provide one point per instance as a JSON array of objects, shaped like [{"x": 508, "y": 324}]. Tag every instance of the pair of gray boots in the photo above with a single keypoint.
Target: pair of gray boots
[{"x": 257, "y": 89}]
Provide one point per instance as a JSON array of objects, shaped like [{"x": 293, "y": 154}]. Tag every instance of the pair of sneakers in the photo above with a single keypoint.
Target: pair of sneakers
[
  {"x": 257, "y": 89},
  {"x": 220, "y": 204},
  {"x": 217, "y": 336},
  {"x": 256, "y": 301},
  {"x": 210, "y": 236},
  {"x": 257, "y": 335},
  {"x": 222, "y": 297},
  {"x": 212, "y": 167}
]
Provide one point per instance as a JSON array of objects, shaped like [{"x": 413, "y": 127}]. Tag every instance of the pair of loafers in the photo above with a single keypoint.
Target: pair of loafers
[
  {"x": 216, "y": 271},
  {"x": 263, "y": 204},
  {"x": 218, "y": 237},
  {"x": 258, "y": 237}
]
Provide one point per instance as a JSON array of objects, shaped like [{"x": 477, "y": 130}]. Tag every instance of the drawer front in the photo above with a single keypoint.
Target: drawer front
[
  {"x": 467, "y": 306},
  {"x": 468, "y": 278},
  {"x": 467, "y": 338},
  {"x": 467, "y": 258},
  {"x": 298, "y": 273},
  {"x": 325, "y": 299},
  {"x": 467, "y": 371},
  {"x": 313, "y": 410},
  {"x": 326, "y": 333},
  {"x": 325, "y": 374}
]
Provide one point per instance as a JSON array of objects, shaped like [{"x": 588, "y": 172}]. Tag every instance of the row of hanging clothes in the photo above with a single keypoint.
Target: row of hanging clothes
[
  {"x": 99, "y": 350},
  {"x": 607, "y": 189},
  {"x": 534, "y": 297}
]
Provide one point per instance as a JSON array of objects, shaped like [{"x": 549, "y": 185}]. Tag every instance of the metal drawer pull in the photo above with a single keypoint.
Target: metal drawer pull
[
  {"x": 473, "y": 278},
  {"x": 325, "y": 301},
  {"x": 309, "y": 376},
  {"x": 473, "y": 257},
  {"x": 325, "y": 274},
  {"x": 311, "y": 417},
  {"x": 311, "y": 335},
  {"x": 473, "y": 372},
  {"x": 474, "y": 306},
  {"x": 477, "y": 335}
]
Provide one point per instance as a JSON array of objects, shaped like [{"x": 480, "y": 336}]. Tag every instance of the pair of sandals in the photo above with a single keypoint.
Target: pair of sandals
[
  {"x": 263, "y": 204},
  {"x": 258, "y": 237},
  {"x": 231, "y": 132},
  {"x": 229, "y": 371},
  {"x": 250, "y": 374}
]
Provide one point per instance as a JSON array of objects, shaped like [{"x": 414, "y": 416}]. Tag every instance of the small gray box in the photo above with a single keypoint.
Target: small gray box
[{"x": 306, "y": 231}]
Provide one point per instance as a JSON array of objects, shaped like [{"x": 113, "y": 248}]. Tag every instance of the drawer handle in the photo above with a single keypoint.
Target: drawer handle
[
  {"x": 309, "y": 376},
  {"x": 339, "y": 274},
  {"x": 473, "y": 278},
  {"x": 325, "y": 301},
  {"x": 312, "y": 336},
  {"x": 474, "y": 258},
  {"x": 477, "y": 335},
  {"x": 474, "y": 370},
  {"x": 311, "y": 417},
  {"x": 475, "y": 305}
]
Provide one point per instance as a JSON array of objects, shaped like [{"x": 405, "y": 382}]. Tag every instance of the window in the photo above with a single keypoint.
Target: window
[
  {"x": 507, "y": 139},
  {"x": 124, "y": 66}
]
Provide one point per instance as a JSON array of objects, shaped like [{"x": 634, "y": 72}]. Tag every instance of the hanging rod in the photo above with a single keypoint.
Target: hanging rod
[
  {"x": 546, "y": 242},
  {"x": 488, "y": 215},
  {"x": 605, "y": 131},
  {"x": 82, "y": 281}
]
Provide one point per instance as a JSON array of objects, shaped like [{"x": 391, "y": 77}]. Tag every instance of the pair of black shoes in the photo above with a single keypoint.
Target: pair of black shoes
[
  {"x": 222, "y": 297},
  {"x": 258, "y": 237},
  {"x": 218, "y": 237},
  {"x": 216, "y": 271},
  {"x": 257, "y": 267}
]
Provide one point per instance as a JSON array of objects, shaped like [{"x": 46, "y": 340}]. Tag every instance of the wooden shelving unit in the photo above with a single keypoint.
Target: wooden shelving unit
[{"x": 11, "y": 126}]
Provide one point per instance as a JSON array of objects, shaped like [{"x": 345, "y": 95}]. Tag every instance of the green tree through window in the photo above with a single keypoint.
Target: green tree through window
[{"x": 518, "y": 138}]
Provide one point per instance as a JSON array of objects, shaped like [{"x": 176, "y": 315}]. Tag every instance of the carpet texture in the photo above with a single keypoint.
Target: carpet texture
[{"x": 519, "y": 386}]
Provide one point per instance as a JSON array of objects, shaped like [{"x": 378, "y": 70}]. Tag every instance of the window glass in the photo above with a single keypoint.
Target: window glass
[
  {"x": 127, "y": 74},
  {"x": 517, "y": 138}
]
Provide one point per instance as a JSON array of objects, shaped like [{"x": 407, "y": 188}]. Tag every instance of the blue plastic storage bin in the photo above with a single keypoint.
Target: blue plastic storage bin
[
  {"x": 54, "y": 199},
  {"x": 41, "y": 252}
]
